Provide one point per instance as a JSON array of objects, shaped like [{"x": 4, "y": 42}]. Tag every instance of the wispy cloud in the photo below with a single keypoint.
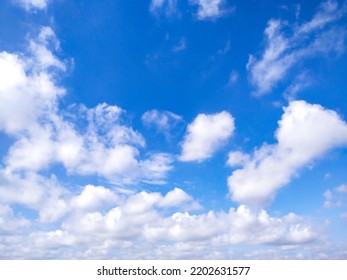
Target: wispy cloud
[
  {"x": 210, "y": 9},
  {"x": 336, "y": 197},
  {"x": 321, "y": 35},
  {"x": 32, "y": 4},
  {"x": 181, "y": 46},
  {"x": 163, "y": 121},
  {"x": 166, "y": 6}
]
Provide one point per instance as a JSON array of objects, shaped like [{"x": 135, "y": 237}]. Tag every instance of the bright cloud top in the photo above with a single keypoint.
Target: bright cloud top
[
  {"x": 304, "y": 134},
  {"x": 205, "y": 135}
]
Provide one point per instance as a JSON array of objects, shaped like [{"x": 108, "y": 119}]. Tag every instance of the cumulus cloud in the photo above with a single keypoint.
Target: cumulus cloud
[
  {"x": 103, "y": 146},
  {"x": 205, "y": 135},
  {"x": 320, "y": 36},
  {"x": 117, "y": 224},
  {"x": 32, "y": 4},
  {"x": 304, "y": 134}
]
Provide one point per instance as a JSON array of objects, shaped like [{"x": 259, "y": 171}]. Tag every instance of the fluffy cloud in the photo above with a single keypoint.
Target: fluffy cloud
[
  {"x": 92, "y": 141},
  {"x": 205, "y": 135},
  {"x": 282, "y": 52},
  {"x": 304, "y": 134},
  {"x": 32, "y": 4},
  {"x": 100, "y": 223}
]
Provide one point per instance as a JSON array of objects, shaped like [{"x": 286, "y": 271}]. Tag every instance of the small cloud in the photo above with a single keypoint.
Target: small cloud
[
  {"x": 181, "y": 46},
  {"x": 166, "y": 6},
  {"x": 210, "y": 9},
  {"x": 163, "y": 121},
  {"x": 205, "y": 135},
  {"x": 233, "y": 78},
  {"x": 30, "y": 5},
  {"x": 336, "y": 197},
  {"x": 226, "y": 49}
]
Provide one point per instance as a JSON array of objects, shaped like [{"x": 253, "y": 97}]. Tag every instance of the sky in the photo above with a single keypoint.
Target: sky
[{"x": 173, "y": 129}]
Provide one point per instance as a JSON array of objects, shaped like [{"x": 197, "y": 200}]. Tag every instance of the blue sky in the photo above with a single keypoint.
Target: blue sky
[{"x": 173, "y": 129}]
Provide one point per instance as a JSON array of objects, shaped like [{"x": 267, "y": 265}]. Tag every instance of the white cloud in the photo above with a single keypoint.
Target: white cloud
[
  {"x": 282, "y": 52},
  {"x": 226, "y": 49},
  {"x": 9, "y": 223},
  {"x": 304, "y": 134},
  {"x": 181, "y": 46},
  {"x": 163, "y": 121},
  {"x": 134, "y": 222},
  {"x": 28, "y": 79},
  {"x": 233, "y": 77},
  {"x": 209, "y": 9},
  {"x": 336, "y": 197},
  {"x": 104, "y": 146},
  {"x": 237, "y": 158},
  {"x": 94, "y": 198},
  {"x": 205, "y": 135},
  {"x": 168, "y": 6},
  {"x": 32, "y": 4}
]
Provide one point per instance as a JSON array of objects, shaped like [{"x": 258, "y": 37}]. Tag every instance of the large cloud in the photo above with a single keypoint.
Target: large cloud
[
  {"x": 101, "y": 223},
  {"x": 318, "y": 37},
  {"x": 304, "y": 134},
  {"x": 103, "y": 146},
  {"x": 205, "y": 135}
]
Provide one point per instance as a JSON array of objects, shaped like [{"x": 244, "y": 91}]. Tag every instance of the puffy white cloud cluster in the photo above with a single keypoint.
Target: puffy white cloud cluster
[
  {"x": 205, "y": 135},
  {"x": 44, "y": 137},
  {"x": 320, "y": 36},
  {"x": 112, "y": 224},
  {"x": 304, "y": 134}
]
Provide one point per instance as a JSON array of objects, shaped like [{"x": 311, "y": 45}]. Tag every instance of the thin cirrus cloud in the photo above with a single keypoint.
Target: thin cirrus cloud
[
  {"x": 163, "y": 122},
  {"x": 283, "y": 52},
  {"x": 168, "y": 6},
  {"x": 304, "y": 134},
  {"x": 206, "y": 9},
  {"x": 205, "y": 135},
  {"x": 209, "y": 9}
]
